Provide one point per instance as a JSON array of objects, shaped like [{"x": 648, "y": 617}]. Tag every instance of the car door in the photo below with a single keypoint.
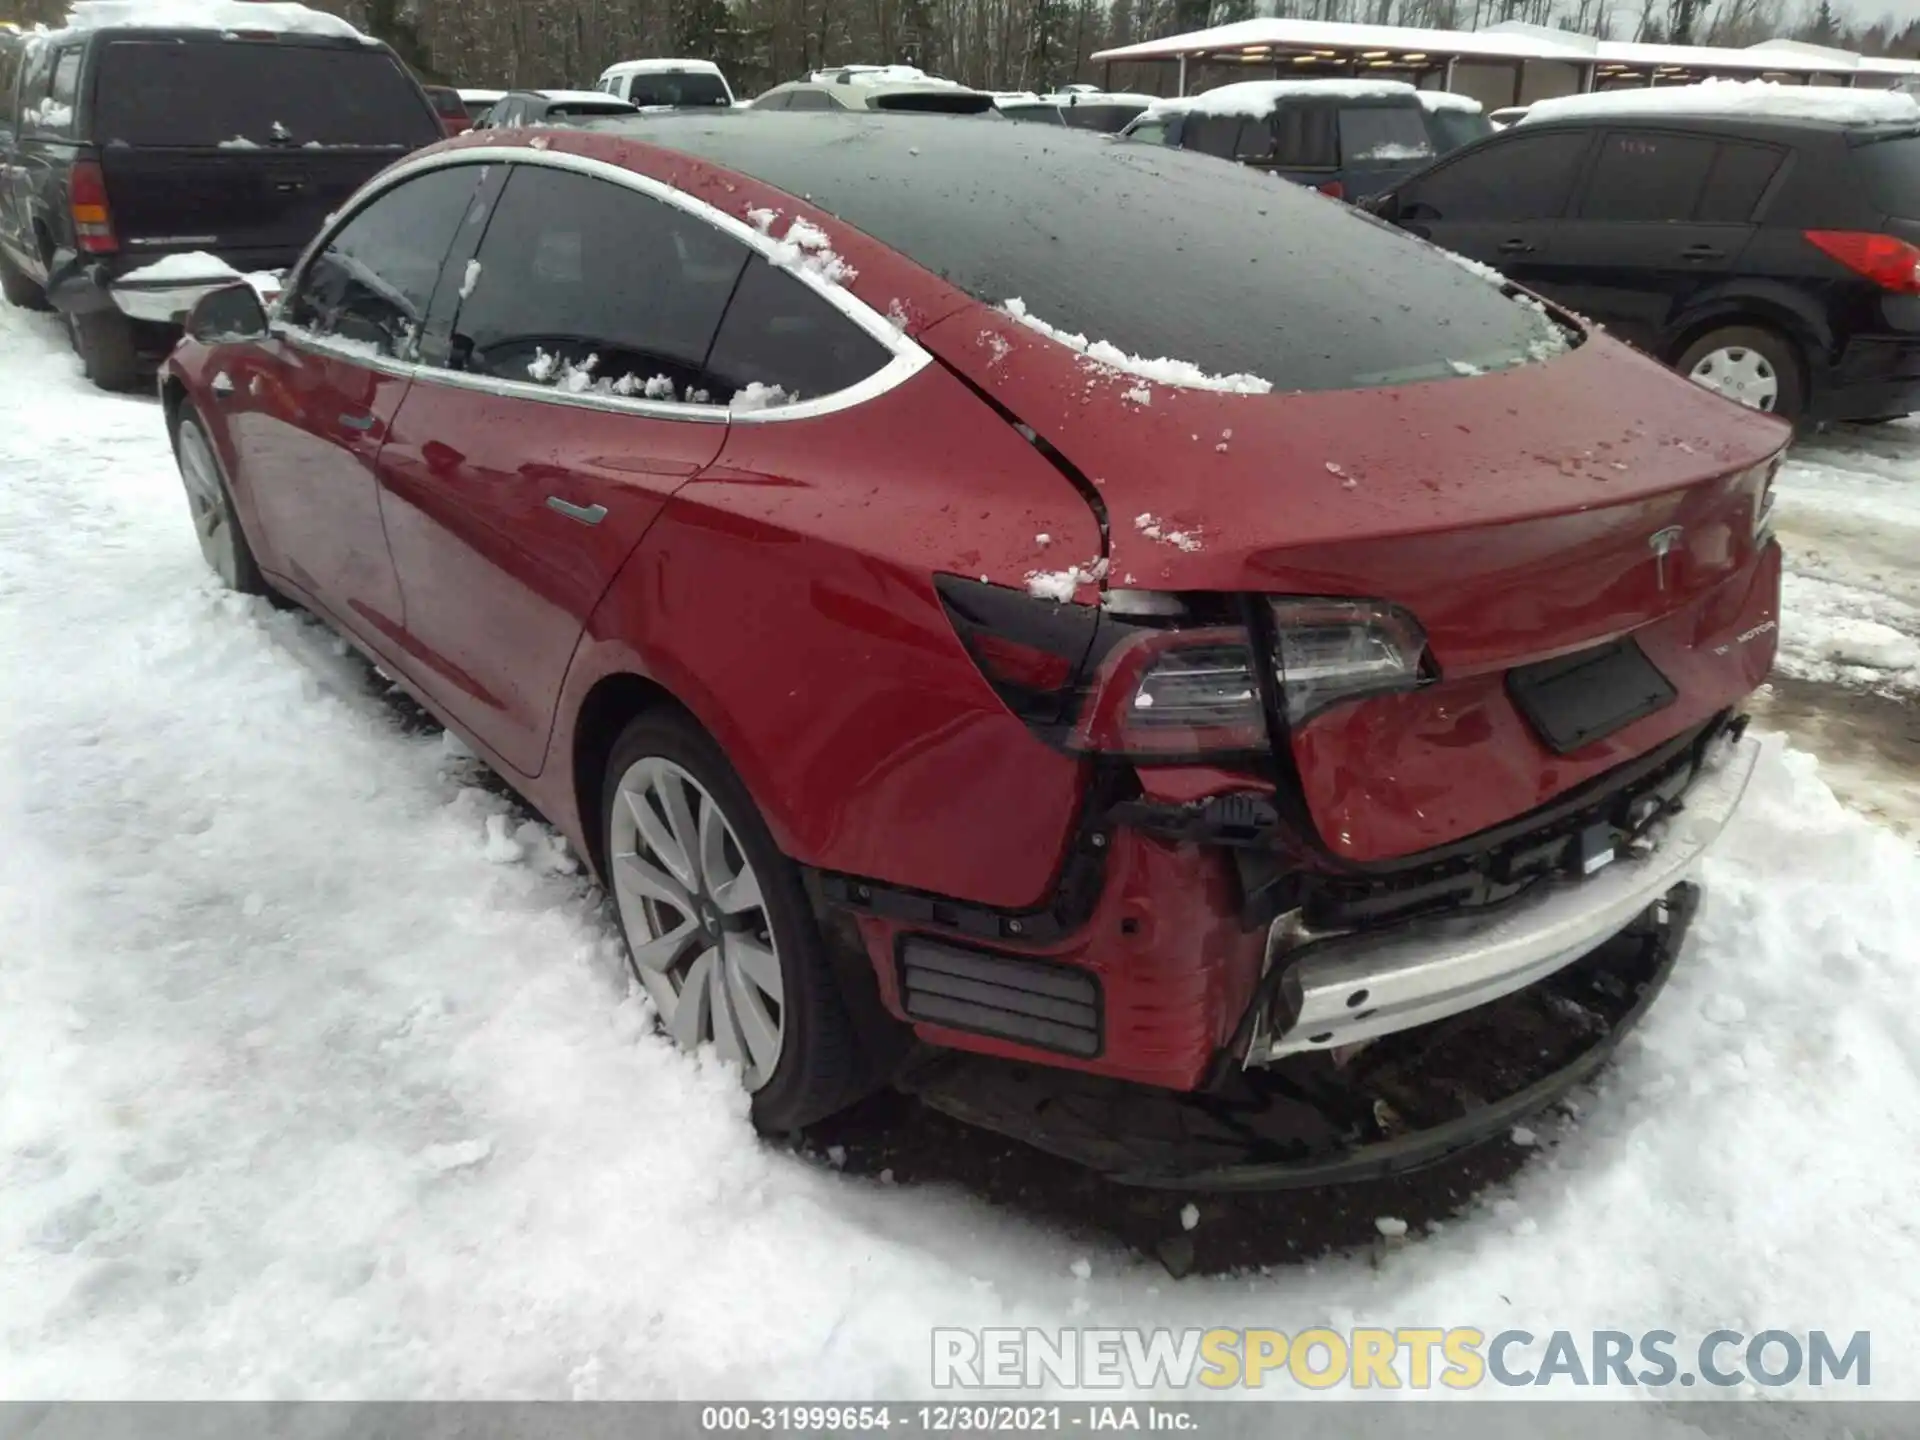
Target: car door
[
  {"x": 311, "y": 407},
  {"x": 571, "y": 403},
  {"x": 1662, "y": 217},
  {"x": 1499, "y": 203}
]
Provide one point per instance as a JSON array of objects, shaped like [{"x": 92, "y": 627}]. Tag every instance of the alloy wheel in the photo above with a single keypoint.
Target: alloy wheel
[
  {"x": 207, "y": 502},
  {"x": 696, "y": 921},
  {"x": 1740, "y": 373}
]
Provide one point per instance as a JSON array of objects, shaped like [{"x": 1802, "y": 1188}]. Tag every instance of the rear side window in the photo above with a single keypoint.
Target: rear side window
[
  {"x": 1739, "y": 177},
  {"x": 170, "y": 93},
  {"x": 1890, "y": 167},
  {"x": 64, "y": 94},
  {"x": 1646, "y": 176},
  {"x": 1526, "y": 178},
  {"x": 1383, "y": 135},
  {"x": 1306, "y": 137},
  {"x": 780, "y": 333},
  {"x": 678, "y": 87},
  {"x": 586, "y": 285},
  {"x": 370, "y": 287}
]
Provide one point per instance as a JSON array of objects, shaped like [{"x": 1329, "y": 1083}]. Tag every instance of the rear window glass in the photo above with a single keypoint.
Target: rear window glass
[
  {"x": 678, "y": 87},
  {"x": 934, "y": 100},
  {"x": 1891, "y": 168},
  {"x": 1383, "y": 135},
  {"x": 206, "y": 93},
  {"x": 1137, "y": 245}
]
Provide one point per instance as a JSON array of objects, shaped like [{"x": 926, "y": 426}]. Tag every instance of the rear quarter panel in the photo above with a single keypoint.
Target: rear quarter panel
[{"x": 786, "y": 598}]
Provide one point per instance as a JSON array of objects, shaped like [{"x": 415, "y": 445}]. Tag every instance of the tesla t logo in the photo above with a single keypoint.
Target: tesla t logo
[{"x": 1660, "y": 542}]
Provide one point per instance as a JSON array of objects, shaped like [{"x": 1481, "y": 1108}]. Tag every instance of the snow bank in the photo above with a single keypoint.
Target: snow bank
[
  {"x": 190, "y": 266},
  {"x": 1258, "y": 97},
  {"x": 1447, "y": 100},
  {"x": 1735, "y": 97},
  {"x": 1111, "y": 357},
  {"x": 277, "y": 16}
]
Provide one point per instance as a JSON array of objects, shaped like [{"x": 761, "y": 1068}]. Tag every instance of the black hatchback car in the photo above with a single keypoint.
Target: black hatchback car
[{"x": 1772, "y": 255}]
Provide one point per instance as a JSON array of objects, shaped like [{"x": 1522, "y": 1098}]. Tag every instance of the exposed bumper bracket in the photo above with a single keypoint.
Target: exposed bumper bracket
[{"x": 1340, "y": 990}]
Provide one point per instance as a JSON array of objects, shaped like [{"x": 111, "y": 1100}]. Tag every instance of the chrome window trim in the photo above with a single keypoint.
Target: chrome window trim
[{"x": 908, "y": 358}]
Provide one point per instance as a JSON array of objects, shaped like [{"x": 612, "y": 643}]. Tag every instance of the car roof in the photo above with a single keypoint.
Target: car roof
[
  {"x": 1779, "y": 127},
  {"x": 660, "y": 65},
  {"x": 1260, "y": 97},
  {"x": 576, "y": 97}
]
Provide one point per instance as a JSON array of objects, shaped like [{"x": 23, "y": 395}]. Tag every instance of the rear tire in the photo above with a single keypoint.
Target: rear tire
[
  {"x": 210, "y": 504},
  {"x": 1751, "y": 366},
  {"x": 18, "y": 289},
  {"x": 717, "y": 921},
  {"x": 104, "y": 341}
]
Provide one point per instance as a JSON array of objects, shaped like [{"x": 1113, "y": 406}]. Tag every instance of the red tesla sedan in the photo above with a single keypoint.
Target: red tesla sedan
[{"x": 1086, "y": 632}]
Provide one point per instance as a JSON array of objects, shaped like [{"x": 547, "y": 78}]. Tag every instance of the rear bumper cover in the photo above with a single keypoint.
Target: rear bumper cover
[
  {"x": 1342, "y": 990},
  {"x": 1308, "y": 1123},
  {"x": 1873, "y": 376}
]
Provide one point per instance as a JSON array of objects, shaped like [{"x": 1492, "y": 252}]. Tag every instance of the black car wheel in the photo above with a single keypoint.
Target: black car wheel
[
  {"x": 18, "y": 289},
  {"x": 104, "y": 342},
  {"x": 1758, "y": 368}
]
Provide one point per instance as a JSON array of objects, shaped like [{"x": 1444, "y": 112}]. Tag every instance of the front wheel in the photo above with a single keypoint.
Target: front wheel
[
  {"x": 1750, "y": 366},
  {"x": 223, "y": 543},
  {"x": 718, "y": 928}
]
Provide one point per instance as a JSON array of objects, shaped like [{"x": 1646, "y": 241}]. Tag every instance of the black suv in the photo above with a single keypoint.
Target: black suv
[
  {"x": 122, "y": 147},
  {"x": 1768, "y": 257},
  {"x": 1345, "y": 138}
]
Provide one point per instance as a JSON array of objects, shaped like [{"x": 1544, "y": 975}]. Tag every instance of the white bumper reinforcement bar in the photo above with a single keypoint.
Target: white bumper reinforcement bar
[
  {"x": 166, "y": 303},
  {"x": 1369, "y": 985}
]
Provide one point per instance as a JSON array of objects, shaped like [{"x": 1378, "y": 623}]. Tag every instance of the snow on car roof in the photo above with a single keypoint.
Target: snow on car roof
[
  {"x": 661, "y": 65},
  {"x": 482, "y": 97},
  {"x": 878, "y": 75},
  {"x": 279, "y": 17},
  {"x": 1258, "y": 97},
  {"x": 1447, "y": 100},
  {"x": 583, "y": 97},
  {"x": 1735, "y": 97}
]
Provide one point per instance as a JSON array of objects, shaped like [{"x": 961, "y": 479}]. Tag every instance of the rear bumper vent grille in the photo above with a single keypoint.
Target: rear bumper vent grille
[{"x": 1051, "y": 1007}]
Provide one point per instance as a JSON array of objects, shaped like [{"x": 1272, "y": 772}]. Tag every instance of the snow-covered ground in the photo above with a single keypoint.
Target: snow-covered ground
[
  {"x": 1849, "y": 516},
  {"x": 318, "y": 1077}
]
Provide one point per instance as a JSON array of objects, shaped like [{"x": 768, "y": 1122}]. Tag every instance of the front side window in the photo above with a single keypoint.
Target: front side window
[
  {"x": 369, "y": 289},
  {"x": 1647, "y": 176},
  {"x": 589, "y": 286},
  {"x": 1149, "y": 132},
  {"x": 1526, "y": 178},
  {"x": 810, "y": 100}
]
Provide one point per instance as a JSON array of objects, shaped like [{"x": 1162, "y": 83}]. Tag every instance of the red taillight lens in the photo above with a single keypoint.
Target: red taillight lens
[
  {"x": 87, "y": 199},
  {"x": 1333, "y": 188},
  {"x": 1183, "y": 693},
  {"x": 1891, "y": 263}
]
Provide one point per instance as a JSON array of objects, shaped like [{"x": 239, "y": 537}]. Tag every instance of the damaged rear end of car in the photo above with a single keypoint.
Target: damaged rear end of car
[{"x": 1407, "y": 686}]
